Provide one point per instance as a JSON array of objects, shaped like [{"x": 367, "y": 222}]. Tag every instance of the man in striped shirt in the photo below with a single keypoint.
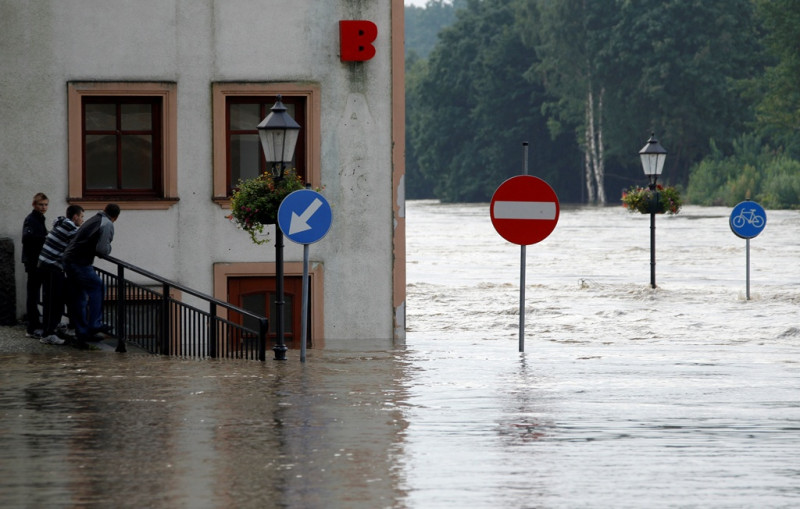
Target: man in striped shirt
[{"x": 52, "y": 270}]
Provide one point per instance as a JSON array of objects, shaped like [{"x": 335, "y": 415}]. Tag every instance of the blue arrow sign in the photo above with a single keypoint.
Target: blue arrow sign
[
  {"x": 748, "y": 219},
  {"x": 304, "y": 216}
]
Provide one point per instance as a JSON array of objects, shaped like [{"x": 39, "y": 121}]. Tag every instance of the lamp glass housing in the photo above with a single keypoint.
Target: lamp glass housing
[
  {"x": 278, "y": 133},
  {"x": 653, "y": 156}
]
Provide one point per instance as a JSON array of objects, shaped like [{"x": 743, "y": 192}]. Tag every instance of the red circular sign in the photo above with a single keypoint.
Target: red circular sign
[{"x": 524, "y": 210}]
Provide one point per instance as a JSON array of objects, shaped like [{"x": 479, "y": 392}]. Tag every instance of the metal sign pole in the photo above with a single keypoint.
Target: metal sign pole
[
  {"x": 304, "y": 309},
  {"x": 522, "y": 264},
  {"x": 748, "y": 269}
]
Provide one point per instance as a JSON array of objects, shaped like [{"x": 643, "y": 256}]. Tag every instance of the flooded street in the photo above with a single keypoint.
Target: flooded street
[{"x": 683, "y": 396}]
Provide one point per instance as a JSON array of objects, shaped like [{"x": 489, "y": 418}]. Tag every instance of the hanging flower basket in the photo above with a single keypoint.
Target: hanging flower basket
[
  {"x": 643, "y": 200},
  {"x": 255, "y": 203}
]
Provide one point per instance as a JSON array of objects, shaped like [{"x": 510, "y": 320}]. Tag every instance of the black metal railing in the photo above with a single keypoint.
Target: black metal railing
[{"x": 167, "y": 318}]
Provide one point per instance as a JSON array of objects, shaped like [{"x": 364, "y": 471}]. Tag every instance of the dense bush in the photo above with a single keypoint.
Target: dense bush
[{"x": 754, "y": 171}]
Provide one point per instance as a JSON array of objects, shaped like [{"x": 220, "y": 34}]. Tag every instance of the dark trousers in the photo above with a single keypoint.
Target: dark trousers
[
  {"x": 86, "y": 299},
  {"x": 33, "y": 287},
  {"x": 54, "y": 295}
]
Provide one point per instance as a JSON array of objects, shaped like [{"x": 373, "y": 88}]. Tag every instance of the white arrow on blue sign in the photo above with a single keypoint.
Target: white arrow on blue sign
[
  {"x": 747, "y": 219},
  {"x": 304, "y": 216}
]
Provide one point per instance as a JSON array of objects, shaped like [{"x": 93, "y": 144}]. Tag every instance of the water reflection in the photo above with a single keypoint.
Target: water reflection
[{"x": 140, "y": 431}]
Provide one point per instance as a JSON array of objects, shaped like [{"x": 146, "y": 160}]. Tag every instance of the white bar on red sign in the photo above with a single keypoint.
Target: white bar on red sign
[{"x": 525, "y": 210}]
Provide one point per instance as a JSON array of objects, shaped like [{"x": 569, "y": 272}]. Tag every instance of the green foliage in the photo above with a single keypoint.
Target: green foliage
[
  {"x": 423, "y": 24},
  {"x": 472, "y": 110},
  {"x": 782, "y": 186},
  {"x": 753, "y": 171},
  {"x": 778, "y": 102},
  {"x": 643, "y": 200},
  {"x": 255, "y": 203},
  {"x": 507, "y": 71}
]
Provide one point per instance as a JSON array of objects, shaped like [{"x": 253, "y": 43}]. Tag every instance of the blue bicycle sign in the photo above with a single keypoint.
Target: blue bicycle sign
[{"x": 748, "y": 219}]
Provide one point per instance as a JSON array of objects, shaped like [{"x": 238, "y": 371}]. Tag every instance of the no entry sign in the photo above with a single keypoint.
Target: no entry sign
[{"x": 524, "y": 210}]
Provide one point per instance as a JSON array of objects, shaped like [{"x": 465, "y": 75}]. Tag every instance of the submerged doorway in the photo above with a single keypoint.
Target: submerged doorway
[{"x": 258, "y": 295}]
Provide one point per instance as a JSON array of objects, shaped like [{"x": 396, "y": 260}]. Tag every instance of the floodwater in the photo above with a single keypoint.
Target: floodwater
[{"x": 687, "y": 395}]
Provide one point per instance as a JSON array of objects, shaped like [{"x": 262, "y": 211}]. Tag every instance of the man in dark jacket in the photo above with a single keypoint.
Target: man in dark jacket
[
  {"x": 34, "y": 231},
  {"x": 93, "y": 238}
]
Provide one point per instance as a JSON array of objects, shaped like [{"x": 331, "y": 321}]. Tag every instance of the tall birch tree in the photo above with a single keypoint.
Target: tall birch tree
[{"x": 571, "y": 40}]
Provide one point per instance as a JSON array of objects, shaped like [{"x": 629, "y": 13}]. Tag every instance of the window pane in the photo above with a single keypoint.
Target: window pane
[
  {"x": 137, "y": 117},
  {"x": 101, "y": 117},
  {"x": 137, "y": 161},
  {"x": 101, "y": 161},
  {"x": 255, "y": 303},
  {"x": 244, "y": 157},
  {"x": 244, "y": 116},
  {"x": 289, "y": 110}
]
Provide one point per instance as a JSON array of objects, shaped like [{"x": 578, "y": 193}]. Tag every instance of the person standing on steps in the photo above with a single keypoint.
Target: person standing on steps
[
  {"x": 52, "y": 271},
  {"x": 34, "y": 232},
  {"x": 93, "y": 238}
]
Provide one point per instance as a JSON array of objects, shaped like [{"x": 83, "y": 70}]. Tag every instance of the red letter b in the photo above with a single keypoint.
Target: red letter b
[{"x": 355, "y": 40}]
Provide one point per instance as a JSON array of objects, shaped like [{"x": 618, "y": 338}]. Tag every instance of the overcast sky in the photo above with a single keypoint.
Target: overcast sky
[{"x": 418, "y": 3}]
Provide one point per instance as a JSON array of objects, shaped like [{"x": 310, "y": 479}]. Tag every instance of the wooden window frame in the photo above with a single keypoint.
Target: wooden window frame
[
  {"x": 220, "y": 93},
  {"x": 265, "y": 103},
  {"x": 167, "y": 187}
]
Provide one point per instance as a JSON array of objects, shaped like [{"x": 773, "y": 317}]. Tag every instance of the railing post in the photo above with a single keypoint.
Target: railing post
[
  {"x": 165, "y": 319},
  {"x": 212, "y": 333},
  {"x": 121, "y": 310},
  {"x": 263, "y": 330}
]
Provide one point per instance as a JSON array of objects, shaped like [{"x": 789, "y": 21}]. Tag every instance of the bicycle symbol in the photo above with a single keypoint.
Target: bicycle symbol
[{"x": 750, "y": 217}]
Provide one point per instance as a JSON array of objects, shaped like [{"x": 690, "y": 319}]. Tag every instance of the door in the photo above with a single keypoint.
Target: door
[{"x": 258, "y": 295}]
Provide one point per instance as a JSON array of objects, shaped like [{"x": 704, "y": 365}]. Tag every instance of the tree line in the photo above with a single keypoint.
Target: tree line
[{"x": 586, "y": 82}]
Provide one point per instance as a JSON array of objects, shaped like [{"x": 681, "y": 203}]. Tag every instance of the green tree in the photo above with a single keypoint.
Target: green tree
[
  {"x": 778, "y": 108},
  {"x": 423, "y": 24},
  {"x": 572, "y": 39},
  {"x": 676, "y": 64},
  {"x": 754, "y": 171},
  {"x": 585, "y": 81},
  {"x": 472, "y": 109}
]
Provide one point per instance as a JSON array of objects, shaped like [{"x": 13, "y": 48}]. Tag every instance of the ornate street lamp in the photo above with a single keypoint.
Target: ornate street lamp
[
  {"x": 653, "y": 156},
  {"x": 278, "y": 133}
]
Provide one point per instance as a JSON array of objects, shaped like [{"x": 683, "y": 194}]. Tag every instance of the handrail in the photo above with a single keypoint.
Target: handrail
[
  {"x": 178, "y": 286},
  {"x": 222, "y": 336}
]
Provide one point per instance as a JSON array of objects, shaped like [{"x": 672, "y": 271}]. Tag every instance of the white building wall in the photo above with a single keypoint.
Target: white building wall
[{"x": 47, "y": 43}]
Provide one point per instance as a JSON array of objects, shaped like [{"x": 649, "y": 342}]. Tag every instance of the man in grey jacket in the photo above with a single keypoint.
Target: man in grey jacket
[{"x": 93, "y": 238}]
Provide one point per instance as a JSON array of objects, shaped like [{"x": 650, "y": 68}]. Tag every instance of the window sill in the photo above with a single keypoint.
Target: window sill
[
  {"x": 124, "y": 204},
  {"x": 223, "y": 202}
]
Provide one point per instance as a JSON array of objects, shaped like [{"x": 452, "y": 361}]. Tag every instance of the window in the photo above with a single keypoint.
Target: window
[
  {"x": 237, "y": 109},
  {"x": 122, "y": 144},
  {"x": 245, "y": 156}
]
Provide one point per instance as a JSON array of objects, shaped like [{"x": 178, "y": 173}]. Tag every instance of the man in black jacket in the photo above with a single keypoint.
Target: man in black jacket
[
  {"x": 34, "y": 231},
  {"x": 93, "y": 238}
]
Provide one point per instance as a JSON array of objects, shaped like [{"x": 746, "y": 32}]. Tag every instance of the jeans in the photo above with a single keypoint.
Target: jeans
[{"x": 87, "y": 298}]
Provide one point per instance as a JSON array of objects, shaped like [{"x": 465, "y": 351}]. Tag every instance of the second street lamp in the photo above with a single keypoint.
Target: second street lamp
[
  {"x": 653, "y": 156},
  {"x": 278, "y": 133}
]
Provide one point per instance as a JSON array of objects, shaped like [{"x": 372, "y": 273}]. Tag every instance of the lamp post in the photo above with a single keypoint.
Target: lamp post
[
  {"x": 653, "y": 156},
  {"x": 278, "y": 133}
]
